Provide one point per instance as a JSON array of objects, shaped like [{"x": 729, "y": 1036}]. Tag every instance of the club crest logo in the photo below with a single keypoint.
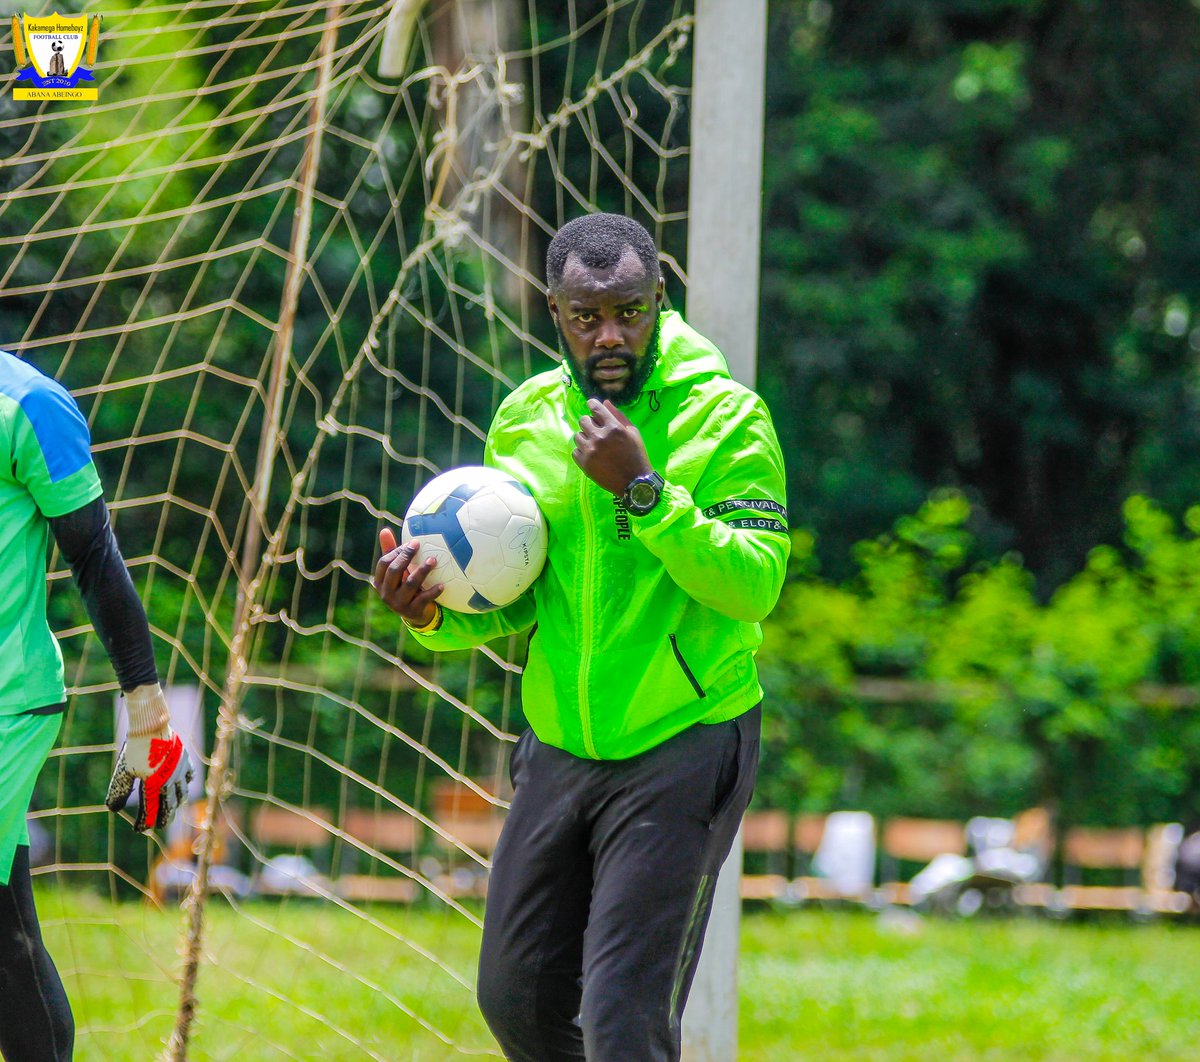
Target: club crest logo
[{"x": 54, "y": 54}]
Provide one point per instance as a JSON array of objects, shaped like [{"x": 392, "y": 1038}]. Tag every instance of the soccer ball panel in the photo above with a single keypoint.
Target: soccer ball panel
[
  {"x": 519, "y": 543},
  {"x": 487, "y": 511},
  {"x": 488, "y": 558},
  {"x": 522, "y": 505}
]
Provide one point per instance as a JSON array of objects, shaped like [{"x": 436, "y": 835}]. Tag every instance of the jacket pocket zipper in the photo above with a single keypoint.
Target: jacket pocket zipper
[
  {"x": 684, "y": 667},
  {"x": 528, "y": 646}
]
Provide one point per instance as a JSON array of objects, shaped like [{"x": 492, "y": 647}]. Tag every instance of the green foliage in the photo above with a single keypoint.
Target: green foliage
[
  {"x": 980, "y": 265},
  {"x": 1004, "y": 701}
]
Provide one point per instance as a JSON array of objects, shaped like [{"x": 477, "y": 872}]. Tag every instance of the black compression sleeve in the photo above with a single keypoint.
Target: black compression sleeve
[{"x": 89, "y": 546}]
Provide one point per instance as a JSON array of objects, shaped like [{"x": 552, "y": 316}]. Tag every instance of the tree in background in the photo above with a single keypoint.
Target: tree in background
[
  {"x": 980, "y": 264},
  {"x": 918, "y": 687}
]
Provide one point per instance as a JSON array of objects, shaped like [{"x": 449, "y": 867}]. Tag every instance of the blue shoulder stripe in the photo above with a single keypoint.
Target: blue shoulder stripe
[{"x": 57, "y": 423}]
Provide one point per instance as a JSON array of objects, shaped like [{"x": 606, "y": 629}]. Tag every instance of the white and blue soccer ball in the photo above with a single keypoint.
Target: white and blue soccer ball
[{"x": 487, "y": 533}]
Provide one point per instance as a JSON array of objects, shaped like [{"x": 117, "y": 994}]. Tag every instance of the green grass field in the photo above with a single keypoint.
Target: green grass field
[{"x": 813, "y": 985}]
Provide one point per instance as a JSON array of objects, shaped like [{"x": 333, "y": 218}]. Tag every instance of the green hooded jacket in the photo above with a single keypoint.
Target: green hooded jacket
[{"x": 642, "y": 626}]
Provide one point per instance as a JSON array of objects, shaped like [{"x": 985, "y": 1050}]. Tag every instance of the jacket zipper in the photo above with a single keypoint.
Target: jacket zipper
[
  {"x": 585, "y": 613},
  {"x": 686, "y": 670}
]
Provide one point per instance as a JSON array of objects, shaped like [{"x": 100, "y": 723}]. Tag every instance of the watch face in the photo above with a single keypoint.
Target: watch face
[{"x": 643, "y": 494}]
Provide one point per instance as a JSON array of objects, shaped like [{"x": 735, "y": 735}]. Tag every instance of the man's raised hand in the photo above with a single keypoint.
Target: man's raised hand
[{"x": 609, "y": 448}]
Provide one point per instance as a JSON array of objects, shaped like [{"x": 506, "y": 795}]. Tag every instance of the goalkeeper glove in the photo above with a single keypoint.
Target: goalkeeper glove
[{"x": 154, "y": 755}]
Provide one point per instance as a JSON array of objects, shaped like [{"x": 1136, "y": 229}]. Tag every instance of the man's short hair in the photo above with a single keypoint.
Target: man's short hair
[{"x": 599, "y": 240}]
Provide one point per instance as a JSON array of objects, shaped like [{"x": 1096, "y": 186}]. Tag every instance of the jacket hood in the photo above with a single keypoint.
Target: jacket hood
[{"x": 683, "y": 354}]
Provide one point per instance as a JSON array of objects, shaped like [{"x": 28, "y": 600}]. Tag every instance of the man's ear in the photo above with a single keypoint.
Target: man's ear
[
  {"x": 660, "y": 291},
  {"x": 551, "y": 304}
]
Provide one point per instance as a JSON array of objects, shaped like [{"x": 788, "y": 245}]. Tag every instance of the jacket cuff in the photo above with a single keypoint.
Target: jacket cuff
[{"x": 146, "y": 708}]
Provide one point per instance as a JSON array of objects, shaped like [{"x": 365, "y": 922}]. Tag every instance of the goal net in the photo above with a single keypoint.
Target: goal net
[{"x": 289, "y": 262}]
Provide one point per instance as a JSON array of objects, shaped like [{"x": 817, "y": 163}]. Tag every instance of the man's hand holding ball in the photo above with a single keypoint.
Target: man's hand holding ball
[{"x": 401, "y": 587}]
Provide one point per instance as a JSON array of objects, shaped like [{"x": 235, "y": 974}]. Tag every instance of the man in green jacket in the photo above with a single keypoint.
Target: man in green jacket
[{"x": 662, "y": 485}]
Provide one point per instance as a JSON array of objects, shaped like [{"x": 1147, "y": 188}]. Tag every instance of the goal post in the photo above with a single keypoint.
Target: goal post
[{"x": 724, "y": 226}]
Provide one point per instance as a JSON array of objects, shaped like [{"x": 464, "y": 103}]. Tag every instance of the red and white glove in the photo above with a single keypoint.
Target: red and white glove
[{"x": 154, "y": 755}]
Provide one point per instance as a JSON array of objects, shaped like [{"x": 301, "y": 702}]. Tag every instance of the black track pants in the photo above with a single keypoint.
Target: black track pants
[
  {"x": 35, "y": 1017},
  {"x": 600, "y": 892}
]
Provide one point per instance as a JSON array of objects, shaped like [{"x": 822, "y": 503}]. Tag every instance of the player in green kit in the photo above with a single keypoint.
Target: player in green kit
[{"x": 49, "y": 485}]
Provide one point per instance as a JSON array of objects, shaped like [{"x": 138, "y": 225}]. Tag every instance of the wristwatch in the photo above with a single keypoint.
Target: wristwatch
[{"x": 643, "y": 493}]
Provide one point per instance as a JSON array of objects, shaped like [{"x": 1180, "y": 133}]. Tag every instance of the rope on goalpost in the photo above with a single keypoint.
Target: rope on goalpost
[{"x": 247, "y": 596}]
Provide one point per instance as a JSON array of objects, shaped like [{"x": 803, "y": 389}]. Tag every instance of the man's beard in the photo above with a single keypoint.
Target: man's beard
[{"x": 639, "y": 371}]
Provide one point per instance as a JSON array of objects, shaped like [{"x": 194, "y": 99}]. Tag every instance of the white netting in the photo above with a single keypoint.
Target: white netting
[{"x": 287, "y": 290}]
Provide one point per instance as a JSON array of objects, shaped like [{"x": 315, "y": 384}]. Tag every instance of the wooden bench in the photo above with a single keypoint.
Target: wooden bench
[
  {"x": 389, "y": 832},
  {"x": 911, "y": 840},
  {"x": 468, "y": 830},
  {"x": 1158, "y": 870},
  {"x": 765, "y": 834},
  {"x": 1143, "y": 858},
  {"x": 296, "y": 830},
  {"x": 1085, "y": 848},
  {"x": 808, "y": 834}
]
